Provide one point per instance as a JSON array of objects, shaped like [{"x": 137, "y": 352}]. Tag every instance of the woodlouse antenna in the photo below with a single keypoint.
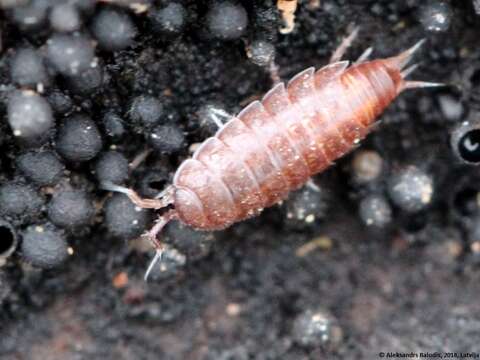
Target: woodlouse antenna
[{"x": 162, "y": 200}]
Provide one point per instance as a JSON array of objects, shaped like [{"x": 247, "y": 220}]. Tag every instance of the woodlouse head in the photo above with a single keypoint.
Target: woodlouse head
[{"x": 189, "y": 208}]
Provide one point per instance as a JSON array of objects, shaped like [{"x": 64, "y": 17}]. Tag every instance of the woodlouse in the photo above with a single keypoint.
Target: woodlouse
[{"x": 275, "y": 145}]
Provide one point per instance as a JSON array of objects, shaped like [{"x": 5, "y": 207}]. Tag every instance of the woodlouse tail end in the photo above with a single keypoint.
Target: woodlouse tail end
[
  {"x": 407, "y": 71},
  {"x": 401, "y": 60}
]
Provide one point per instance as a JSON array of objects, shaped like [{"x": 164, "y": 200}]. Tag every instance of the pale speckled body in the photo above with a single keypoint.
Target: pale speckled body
[{"x": 275, "y": 145}]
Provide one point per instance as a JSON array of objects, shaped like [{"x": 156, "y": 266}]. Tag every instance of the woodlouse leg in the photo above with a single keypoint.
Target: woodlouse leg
[
  {"x": 151, "y": 235},
  {"x": 311, "y": 185},
  {"x": 344, "y": 45},
  {"x": 365, "y": 55},
  {"x": 219, "y": 116},
  {"x": 273, "y": 70},
  {"x": 159, "y": 225},
  {"x": 157, "y": 203},
  {"x": 140, "y": 158}
]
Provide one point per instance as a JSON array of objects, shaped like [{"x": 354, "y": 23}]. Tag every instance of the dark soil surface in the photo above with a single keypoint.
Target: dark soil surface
[{"x": 410, "y": 286}]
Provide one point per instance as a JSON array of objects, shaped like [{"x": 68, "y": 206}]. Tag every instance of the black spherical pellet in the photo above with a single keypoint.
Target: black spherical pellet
[
  {"x": 261, "y": 53},
  {"x": 317, "y": 328},
  {"x": 27, "y": 68},
  {"x": 70, "y": 208},
  {"x": 167, "y": 139},
  {"x": 44, "y": 247},
  {"x": 113, "y": 30},
  {"x": 114, "y": 125},
  {"x": 452, "y": 108},
  {"x": 79, "y": 139},
  {"x": 31, "y": 16},
  {"x": 435, "y": 15},
  {"x": 43, "y": 168},
  {"x": 306, "y": 206},
  {"x": 30, "y": 116},
  {"x": 367, "y": 166},
  {"x": 146, "y": 111},
  {"x": 227, "y": 20},
  {"x": 112, "y": 166},
  {"x": 411, "y": 189},
  {"x": 375, "y": 211},
  {"x": 60, "y": 102},
  {"x": 168, "y": 20},
  {"x": 70, "y": 54},
  {"x": 18, "y": 200},
  {"x": 87, "y": 81},
  {"x": 465, "y": 142},
  {"x": 65, "y": 17},
  {"x": 124, "y": 219},
  {"x": 8, "y": 240}
]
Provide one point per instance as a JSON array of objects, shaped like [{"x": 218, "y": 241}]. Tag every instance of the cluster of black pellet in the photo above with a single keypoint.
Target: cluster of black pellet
[{"x": 76, "y": 113}]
